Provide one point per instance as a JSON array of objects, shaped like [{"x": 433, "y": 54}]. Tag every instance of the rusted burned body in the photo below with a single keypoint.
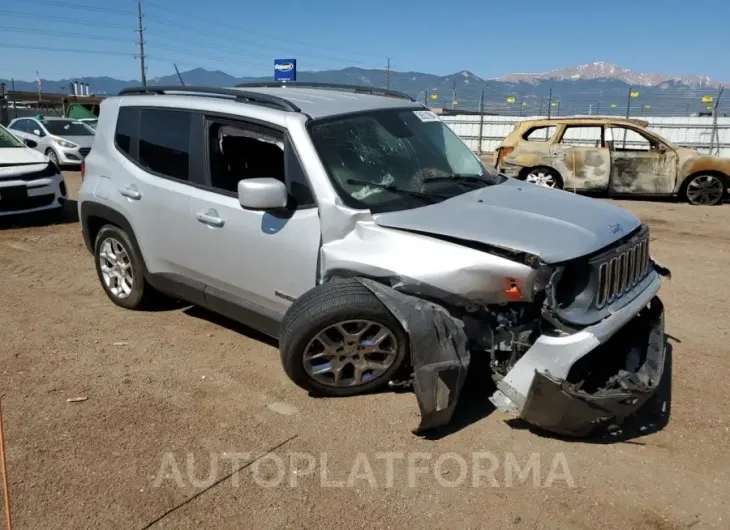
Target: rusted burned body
[{"x": 617, "y": 156}]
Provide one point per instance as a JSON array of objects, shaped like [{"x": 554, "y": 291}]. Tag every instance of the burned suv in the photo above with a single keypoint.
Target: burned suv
[
  {"x": 611, "y": 155},
  {"x": 354, "y": 226}
]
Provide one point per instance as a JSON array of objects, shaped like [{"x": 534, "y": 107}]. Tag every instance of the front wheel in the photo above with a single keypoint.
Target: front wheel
[
  {"x": 338, "y": 339},
  {"x": 543, "y": 176},
  {"x": 705, "y": 190},
  {"x": 53, "y": 157}
]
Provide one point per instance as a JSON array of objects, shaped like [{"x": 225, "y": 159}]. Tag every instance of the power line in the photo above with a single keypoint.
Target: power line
[
  {"x": 238, "y": 29},
  {"x": 68, "y": 50},
  {"x": 81, "y": 7},
  {"x": 254, "y": 44},
  {"x": 63, "y": 34},
  {"x": 65, "y": 20}
]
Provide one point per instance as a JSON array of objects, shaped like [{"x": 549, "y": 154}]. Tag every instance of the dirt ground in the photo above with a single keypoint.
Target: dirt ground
[{"x": 173, "y": 396}]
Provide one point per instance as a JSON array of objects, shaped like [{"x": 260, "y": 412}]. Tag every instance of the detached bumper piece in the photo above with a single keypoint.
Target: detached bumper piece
[
  {"x": 606, "y": 386},
  {"x": 439, "y": 354}
]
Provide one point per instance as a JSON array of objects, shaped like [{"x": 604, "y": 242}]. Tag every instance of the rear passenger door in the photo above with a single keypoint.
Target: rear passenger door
[
  {"x": 254, "y": 262},
  {"x": 155, "y": 186},
  {"x": 582, "y": 158}
]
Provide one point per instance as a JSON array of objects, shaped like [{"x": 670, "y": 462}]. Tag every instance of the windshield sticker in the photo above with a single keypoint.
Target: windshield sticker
[{"x": 426, "y": 115}]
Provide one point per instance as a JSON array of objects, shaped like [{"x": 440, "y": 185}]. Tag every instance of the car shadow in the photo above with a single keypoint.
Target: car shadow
[
  {"x": 68, "y": 214},
  {"x": 219, "y": 320},
  {"x": 649, "y": 419}
]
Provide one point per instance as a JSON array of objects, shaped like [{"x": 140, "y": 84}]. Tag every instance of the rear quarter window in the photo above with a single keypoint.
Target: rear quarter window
[
  {"x": 541, "y": 133},
  {"x": 127, "y": 129}
]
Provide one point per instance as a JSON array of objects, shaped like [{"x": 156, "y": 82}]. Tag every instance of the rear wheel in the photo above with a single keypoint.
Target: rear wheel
[
  {"x": 121, "y": 270},
  {"x": 339, "y": 340},
  {"x": 705, "y": 189},
  {"x": 544, "y": 176}
]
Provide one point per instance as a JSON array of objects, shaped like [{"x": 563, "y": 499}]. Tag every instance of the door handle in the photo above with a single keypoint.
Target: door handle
[
  {"x": 210, "y": 219},
  {"x": 130, "y": 193}
]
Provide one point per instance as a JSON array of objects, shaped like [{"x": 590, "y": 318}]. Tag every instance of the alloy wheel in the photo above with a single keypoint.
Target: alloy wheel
[
  {"x": 350, "y": 353},
  {"x": 116, "y": 268},
  {"x": 541, "y": 178},
  {"x": 705, "y": 190}
]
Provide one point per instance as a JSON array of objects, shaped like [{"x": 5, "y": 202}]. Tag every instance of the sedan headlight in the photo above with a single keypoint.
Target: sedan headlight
[{"x": 64, "y": 143}]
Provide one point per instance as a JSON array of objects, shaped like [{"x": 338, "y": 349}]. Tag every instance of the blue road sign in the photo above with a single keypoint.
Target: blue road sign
[{"x": 285, "y": 69}]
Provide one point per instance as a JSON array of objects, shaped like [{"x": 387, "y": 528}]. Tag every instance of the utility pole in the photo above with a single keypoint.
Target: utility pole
[
  {"x": 178, "y": 75},
  {"x": 453, "y": 95},
  {"x": 387, "y": 75},
  {"x": 715, "y": 134},
  {"x": 481, "y": 120},
  {"x": 550, "y": 104},
  {"x": 140, "y": 30}
]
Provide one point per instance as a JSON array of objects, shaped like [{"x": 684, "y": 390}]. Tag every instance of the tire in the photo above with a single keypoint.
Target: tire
[
  {"x": 544, "y": 176},
  {"x": 704, "y": 189},
  {"x": 327, "y": 311},
  {"x": 51, "y": 154},
  {"x": 136, "y": 294}
]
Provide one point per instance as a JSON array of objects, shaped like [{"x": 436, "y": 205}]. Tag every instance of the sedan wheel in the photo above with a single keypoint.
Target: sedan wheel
[
  {"x": 350, "y": 353},
  {"x": 52, "y": 156},
  {"x": 705, "y": 190},
  {"x": 542, "y": 177}
]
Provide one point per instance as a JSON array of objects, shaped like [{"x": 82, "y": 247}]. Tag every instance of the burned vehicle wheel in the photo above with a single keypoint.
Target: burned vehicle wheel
[
  {"x": 338, "y": 339},
  {"x": 705, "y": 190},
  {"x": 544, "y": 176}
]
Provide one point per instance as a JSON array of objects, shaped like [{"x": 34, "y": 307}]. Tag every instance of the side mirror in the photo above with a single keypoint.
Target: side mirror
[
  {"x": 30, "y": 143},
  {"x": 37, "y": 132},
  {"x": 262, "y": 194}
]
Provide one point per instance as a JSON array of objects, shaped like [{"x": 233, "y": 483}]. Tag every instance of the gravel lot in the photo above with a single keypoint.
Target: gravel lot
[{"x": 179, "y": 389}]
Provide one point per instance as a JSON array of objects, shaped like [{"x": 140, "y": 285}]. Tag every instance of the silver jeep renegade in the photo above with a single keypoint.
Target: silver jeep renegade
[{"x": 354, "y": 226}]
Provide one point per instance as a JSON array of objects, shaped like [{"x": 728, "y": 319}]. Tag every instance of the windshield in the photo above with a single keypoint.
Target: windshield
[
  {"x": 8, "y": 140},
  {"x": 67, "y": 128},
  {"x": 397, "y": 159}
]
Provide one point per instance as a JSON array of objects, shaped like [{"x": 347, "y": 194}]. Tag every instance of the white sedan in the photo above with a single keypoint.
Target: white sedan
[{"x": 29, "y": 181}]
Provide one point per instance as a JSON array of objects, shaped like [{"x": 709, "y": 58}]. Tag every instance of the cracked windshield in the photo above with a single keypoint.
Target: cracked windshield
[{"x": 395, "y": 159}]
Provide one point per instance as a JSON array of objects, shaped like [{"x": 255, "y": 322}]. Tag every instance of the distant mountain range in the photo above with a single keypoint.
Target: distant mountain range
[{"x": 595, "y": 87}]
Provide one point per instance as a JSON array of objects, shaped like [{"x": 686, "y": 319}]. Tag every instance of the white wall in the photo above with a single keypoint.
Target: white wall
[{"x": 684, "y": 131}]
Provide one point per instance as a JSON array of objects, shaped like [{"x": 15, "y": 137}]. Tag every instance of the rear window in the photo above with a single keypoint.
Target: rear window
[{"x": 541, "y": 133}]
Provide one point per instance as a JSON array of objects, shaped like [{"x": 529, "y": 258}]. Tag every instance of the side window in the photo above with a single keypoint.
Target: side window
[
  {"x": 164, "y": 142},
  {"x": 625, "y": 139},
  {"x": 583, "y": 136},
  {"x": 127, "y": 130},
  {"x": 540, "y": 134},
  {"x": 20, "y": 125},
  {"x": 240, "y": 151}
]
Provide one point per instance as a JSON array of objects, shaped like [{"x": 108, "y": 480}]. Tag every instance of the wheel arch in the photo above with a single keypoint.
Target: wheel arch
[
  {"x": 715, "y": 172},
  {"x": 94, "y": 216}
]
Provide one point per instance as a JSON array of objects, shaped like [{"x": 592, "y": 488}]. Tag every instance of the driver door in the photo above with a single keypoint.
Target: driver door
[
  {"x": 640, "y": 163},
  {"x": 581, "y": 158}
]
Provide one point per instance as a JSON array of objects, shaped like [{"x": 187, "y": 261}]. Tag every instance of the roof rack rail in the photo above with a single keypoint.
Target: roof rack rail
[
  {"x": 361, "y": 89},
  {"x": 255, "y": 98}
]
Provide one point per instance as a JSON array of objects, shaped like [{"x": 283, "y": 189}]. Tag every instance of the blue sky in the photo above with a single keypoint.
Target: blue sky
[{"x": 490, "y": 38}]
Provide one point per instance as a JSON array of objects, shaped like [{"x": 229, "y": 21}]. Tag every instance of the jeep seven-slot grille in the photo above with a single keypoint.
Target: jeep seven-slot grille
[{"x": 620, "y": 273}]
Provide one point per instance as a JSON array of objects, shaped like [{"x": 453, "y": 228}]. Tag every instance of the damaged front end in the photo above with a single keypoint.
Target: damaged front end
[
  {"x": 606, "y": 386},
  {"x": 572, "y": 381}
]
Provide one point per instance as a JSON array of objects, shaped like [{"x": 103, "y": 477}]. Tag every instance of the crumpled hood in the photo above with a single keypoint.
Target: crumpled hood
[{"x": 552, "y": 224}]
